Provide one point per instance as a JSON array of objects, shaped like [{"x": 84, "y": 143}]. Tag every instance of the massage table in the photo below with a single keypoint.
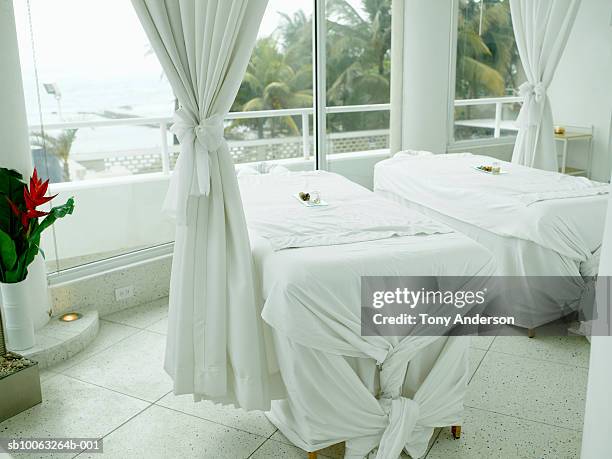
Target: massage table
[
  {"x": 536, "y": 223},
  {"x": 372, "y": 392}
]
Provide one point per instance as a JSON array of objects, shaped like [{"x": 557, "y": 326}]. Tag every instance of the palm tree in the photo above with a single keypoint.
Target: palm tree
[
  {"x": 271, "y": 82},
  {"x": 58, "y": 146},
  {"x": 358, "y": 52},
  {"x": 358, "y": 61},
  {"x": 486, "y": 52},
  {"x": 295, "y": 38},
  {"x": 487, "y": 57}
]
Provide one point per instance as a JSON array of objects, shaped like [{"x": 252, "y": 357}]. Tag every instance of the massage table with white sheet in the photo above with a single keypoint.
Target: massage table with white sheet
[
  {"x": 536, "y": 223},
  {"x": 369, "y": 391}
]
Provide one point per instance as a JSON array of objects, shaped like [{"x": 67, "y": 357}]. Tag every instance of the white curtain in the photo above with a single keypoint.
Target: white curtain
[
  {"x": 541, "y": 28},
  {"x": 215, "y": 348}
]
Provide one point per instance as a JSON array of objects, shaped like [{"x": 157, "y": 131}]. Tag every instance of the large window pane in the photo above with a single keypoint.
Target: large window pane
[
  {"x": 488, "y": 66},
  {"x": 95, "y": 97},
  {"x": 94, "y": 66},
  {"x": 358, "y": 43},
  {"x": 278, "y": 81}
]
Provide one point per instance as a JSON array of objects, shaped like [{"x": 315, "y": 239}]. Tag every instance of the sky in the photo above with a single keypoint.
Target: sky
[
  {"x": 98, "y": 54},
  {"x": 100, "y": 38}
]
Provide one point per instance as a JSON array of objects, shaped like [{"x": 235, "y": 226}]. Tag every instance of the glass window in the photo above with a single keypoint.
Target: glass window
[
  {"x": 278, "y": 83},
  {"x": 87, "y": 79},
  {"x": 94, "y": 96},
  {"x": 99, "y": 108},
  {"x": 488, "y": 66},
  {"x": 357, "y": 64}
]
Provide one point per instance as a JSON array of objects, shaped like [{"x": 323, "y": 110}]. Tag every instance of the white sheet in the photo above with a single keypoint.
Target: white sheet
[
  {"x": 547, "y": 208},
  {"x": 526, "y": 261},
  {"x": 515, "y": 256},
  {"x": 311, "y": 300},
  {"x": 353, "y": 213}
]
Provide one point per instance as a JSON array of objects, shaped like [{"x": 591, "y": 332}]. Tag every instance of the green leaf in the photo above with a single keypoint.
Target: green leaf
[
  {"x": 14, "y": 276},
  {"x": 54, "y": 214},
  {"x": 8, "y": 253},
  {"x": 27, "y": 258},
  {"x": 11, "y": 187}
]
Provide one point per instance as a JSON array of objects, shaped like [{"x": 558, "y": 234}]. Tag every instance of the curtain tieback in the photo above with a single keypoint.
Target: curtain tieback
[
  {"x": 533, "y": 95},
  {"x": 536, "y": 91},
  {"x": 192, "y": 173}
]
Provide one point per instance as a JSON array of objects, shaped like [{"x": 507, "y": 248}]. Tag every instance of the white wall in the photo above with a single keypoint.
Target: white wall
[
  {"x": 500, "y": 151},
  {"x": 109, "y": 216},
  {"x": 426, "y": 61},
  {"x": 598, "y": 410},
  {"x": 581, "y": 90}
]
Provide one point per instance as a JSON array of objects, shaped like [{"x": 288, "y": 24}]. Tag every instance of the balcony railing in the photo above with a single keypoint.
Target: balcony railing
[
  {"x": 497, "y": 123},
  {"x": 167, "y": 150}
]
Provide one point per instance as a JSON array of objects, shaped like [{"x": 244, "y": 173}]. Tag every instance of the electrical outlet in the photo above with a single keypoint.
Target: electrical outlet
[{"x": 124, "y": 293}]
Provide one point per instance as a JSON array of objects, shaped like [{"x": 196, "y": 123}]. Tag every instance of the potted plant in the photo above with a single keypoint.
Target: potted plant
[
  {"x": 19, "y": 382},
  {"x": 20, "y": 233}
]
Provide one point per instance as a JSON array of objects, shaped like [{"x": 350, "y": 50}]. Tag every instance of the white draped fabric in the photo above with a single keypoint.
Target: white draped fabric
[
  {"x": 312, "y": 294},
  {"x": 420, "y": 386},
  {"x": 541, "y": 29},
  {"x": 215, "y": 348}
]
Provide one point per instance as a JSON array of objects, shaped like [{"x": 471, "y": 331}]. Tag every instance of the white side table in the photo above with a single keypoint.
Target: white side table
[{"x": 575, "y": 134}]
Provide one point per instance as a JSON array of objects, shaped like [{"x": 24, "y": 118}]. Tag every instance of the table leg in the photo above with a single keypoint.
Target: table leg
[
  {"x": 590, "y": 163},
  {"x": 564, "y": 159}
]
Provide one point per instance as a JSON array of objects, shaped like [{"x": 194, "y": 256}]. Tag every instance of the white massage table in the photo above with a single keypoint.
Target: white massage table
[
  {"x": 536, "y": 223},
  {"x": 369, "y": 391}
]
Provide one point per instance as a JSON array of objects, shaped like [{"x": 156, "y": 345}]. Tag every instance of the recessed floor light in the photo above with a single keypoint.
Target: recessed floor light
[{"x": 70, "y": 317}]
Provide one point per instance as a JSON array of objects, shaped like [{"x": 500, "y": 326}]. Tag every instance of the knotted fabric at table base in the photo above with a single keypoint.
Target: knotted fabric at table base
[{"x": 334, "y": 398}]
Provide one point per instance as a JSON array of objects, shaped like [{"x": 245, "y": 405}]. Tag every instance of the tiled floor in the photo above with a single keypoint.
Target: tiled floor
[{"x": 525, "y": 400}]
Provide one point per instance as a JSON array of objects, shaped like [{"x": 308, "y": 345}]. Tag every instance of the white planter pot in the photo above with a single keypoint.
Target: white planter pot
[{"x": 16, "y": 309}]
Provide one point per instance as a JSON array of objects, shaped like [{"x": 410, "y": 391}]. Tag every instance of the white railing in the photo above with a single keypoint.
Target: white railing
[
  {"x": 165, "y": 122},
  {"x": 497, "y": 121},
  {"x": 166, "y": 149}
]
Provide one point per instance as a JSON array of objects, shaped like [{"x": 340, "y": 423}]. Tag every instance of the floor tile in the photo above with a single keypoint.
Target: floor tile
[
  {"x": 569, "y": 350},
  {"x": 529, "y": 389},
  {"x": 46, "y": 374},
  {"x": 276, "y": 449},
  {"x": 482, "y": 342},
  {"x": 109, "y": 334},
  {"x": 141, "y": 316},
  {"x": 488, "y": 435},
  {"x": 133, "y": 366},
  {"x": 161, "y": 326},
  {"x": 476, "y": 356},
  {"x": 253, "y": 421},
  {"x": 334, "y": 451},
  {"x": 162, "y": 433},
  {"x": 72, "y": 408}
]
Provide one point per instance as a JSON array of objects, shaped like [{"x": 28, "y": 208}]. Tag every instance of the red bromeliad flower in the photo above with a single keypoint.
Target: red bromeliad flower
[{"x": 33, "y": 197}]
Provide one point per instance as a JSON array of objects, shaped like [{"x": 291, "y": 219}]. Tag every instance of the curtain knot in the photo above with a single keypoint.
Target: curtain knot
[
  {"x": 198, "y": 138},
  {"x": 208, "y": 133},
  {"x": 533, "y": 91},
  {"x": 533, "y": 95}
]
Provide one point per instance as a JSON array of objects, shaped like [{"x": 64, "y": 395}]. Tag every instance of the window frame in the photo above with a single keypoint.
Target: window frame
[{"x": 452, "y": 143}]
